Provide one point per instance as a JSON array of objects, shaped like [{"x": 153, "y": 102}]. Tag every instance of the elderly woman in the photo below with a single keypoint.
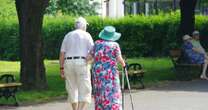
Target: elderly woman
[
  {"x": 106, "y": 83},
  {"x": 194, "y": 56}
]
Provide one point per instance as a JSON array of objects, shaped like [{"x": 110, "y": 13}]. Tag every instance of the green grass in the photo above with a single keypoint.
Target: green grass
[
  {"x": 56, "y": 85},
  {"x": 157, "y": 70}
]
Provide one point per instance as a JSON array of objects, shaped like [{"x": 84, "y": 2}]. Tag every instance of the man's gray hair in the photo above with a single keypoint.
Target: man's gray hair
[{"x": 81, "y": 23}]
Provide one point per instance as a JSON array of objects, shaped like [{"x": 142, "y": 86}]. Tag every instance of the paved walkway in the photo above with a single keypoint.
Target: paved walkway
[{"x": 191, "y": 95}]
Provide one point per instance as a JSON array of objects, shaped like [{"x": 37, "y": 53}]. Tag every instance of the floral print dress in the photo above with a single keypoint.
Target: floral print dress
[
  {"x": 105, "y": 77},
  {"x": 194, "y": 57}
]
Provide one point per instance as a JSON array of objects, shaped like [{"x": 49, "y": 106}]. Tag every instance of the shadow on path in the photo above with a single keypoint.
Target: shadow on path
[{"x": 187, "y": 86}]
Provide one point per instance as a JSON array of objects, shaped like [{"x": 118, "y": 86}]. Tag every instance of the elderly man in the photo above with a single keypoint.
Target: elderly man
[
  {"x": 197, "y": 47},
  {"x": 73, "y": 66},
  {"x": 196, "y": 43}
]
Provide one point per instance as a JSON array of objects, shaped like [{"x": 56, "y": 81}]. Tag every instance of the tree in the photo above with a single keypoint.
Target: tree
[
  {"x": 77, "y": 7},
  {"x": 7, "y": 8},
  {"x": 187, "y": 23},
  {"x": 52, "y": 8},
  {"x": 30, "y": 15}
]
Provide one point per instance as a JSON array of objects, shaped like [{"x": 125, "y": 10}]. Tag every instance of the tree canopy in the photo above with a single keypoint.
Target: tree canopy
[
  {"x": 72, "y": 7},
  {"x": 7, "y": 8}
]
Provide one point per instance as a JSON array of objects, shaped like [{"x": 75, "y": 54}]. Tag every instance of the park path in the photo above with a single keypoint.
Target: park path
[{"x": 191, "y": 95}]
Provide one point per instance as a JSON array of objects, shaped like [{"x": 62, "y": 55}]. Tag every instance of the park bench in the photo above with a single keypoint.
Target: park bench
[
  {"x": 136, "y": 73},
  {"x": 183, "y": 70},
  {"x": 9, "y": 87}
]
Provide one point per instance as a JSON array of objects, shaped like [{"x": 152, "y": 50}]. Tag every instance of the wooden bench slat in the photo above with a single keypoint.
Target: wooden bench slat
[
  {"x": 193, "y": 65},
  {"x": 175, "y": 57},
  {"x": 3, "y": 85},
  {"x": 182, "y": 68},
  {"x": 9, "y": 87},
  {"x": 136, "y": 72}
]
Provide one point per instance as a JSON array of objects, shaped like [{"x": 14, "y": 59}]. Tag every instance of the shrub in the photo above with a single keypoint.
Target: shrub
[
  {"x": 9, "y": 41},
  {"x": 141, "y": 35}
]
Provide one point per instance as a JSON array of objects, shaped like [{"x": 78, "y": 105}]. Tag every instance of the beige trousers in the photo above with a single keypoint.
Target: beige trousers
[{"x": 78, "y": 82}]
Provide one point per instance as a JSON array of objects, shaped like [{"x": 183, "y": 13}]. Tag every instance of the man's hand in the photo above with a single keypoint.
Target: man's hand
[
  {"x": 89, "y": 59},
  {"x": 61, "y": 61},
  {"x": 62, "y": 73}
]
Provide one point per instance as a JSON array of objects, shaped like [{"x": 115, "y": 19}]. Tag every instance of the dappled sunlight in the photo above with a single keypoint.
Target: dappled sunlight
[{"x": 9, "y": 66}]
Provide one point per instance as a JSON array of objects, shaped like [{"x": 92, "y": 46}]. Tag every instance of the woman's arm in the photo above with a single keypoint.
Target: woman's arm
[
  {"x": 189, "y": 45},
  {"x": 198, "y": 50},
  {"x": 121, "y": 61}
]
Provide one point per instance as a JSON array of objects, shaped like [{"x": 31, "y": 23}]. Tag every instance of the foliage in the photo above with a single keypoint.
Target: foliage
[
  {"x": 146, "y": 36},
  {"x": 141, "y": 35},
  {"x": 52, "y": 8},
  {"x": 72, "y": 7},
  {"x": 9, "y": 41},
  {"x": 7, "y": 8}
]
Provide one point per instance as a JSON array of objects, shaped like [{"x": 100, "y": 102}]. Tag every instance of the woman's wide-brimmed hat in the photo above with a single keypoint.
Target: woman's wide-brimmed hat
[{"x": 109, "y": 33}]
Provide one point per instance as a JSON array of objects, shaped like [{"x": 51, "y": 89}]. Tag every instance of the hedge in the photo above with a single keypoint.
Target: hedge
[
  {"x": 141, "y": 35},
  {"x": 9, "y": 40}
]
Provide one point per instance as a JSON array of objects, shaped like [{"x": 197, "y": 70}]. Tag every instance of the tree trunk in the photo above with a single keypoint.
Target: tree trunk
[
  {"x": 174, "y": 5},
  {"x": 30, "y": 15},
  {"x": 187, "y": 24}
]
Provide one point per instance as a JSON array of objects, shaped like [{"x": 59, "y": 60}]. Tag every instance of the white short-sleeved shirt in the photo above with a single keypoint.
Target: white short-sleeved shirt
[{"x": 77, "y": 43}]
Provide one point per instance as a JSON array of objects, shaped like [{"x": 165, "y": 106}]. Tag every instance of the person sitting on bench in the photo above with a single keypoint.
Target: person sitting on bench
[
  {"x": 194, "y": 56},
  {"x": 196, "y": 43}
]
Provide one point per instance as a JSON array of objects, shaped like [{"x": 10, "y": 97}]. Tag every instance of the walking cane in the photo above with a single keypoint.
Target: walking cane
[
  {"x": 125, "y": 73},
  {"x": 122, "y": 89}
]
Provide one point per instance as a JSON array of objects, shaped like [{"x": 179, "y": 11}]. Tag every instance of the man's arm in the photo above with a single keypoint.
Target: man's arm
[
  {"x": 61, "y": 61},
  {"x": 89, "y": 57},
  {"x": 62, "y": 56}
]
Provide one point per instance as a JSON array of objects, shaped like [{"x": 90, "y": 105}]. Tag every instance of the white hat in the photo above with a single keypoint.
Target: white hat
[
  {"x": 81, "y": 20},
  {"x": 195, "y": 33},
  {"x": 186, "y": 37}
]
